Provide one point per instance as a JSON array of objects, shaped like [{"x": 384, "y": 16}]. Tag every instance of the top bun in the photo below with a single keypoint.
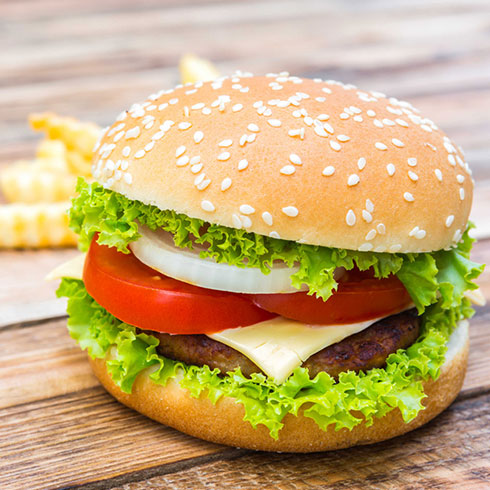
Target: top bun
[{"x": 311, "y": 161}]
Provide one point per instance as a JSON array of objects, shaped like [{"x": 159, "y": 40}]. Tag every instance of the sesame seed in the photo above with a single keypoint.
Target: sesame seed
[
  {"x": 320, "y": 131},
  {"x": 198, "y": 136},
  {"x": 206, "y": 111},
  {"x": 253, "y": 127},
  {"x": 274, "y": 234},
  {"x": 451, "y": 160},
  {"x": 344, "y": 116},
  {"x": 251, "y": 138},
  {"x": 413, "y": 176},
  {"x": 110, "y": 165},
  {"x": 246, "y": 221},
  {"x": 370, "y": 235},
  {"x": 327, "y": 171},
  {"x": 395, "y": 248},
  {"x": 195, "y": 159},
  {"x": 426, "y": 128},
  {"x": 449, "y": 221},
  {"x": 287, "y": 170},
  {"x": 139, "y": 154},
  {"x": 343, "y": 138},
  {"x": 328, "y": 128},
  {"x": 124, "y": 165},
  {"x": 182, "y": 161},
  {"x": 118, "y": 136},
  {"x": 207, "y": 206},
  {"x": 184, "y": 125},
  {"x": 335, "y": 146},
  {"x": 203, "y": 184},
  {"x": 149, "y": 146},
  {"x": 388, "y": 122},
  {"x": 438, "y": 174},
  {"x": 390, "y": 168},
  {"x": 408, "y": 197},
  {"x": 237, "y": 107},
  {"x": 198, "y": 106},
  {"x": 369, "y": 205},
  {"x": 225, "y": 143},
  {"x": 180, "y": 151},
  {"x": 290, "y": 211},
  {"x": 380, "y": 146},
  {"x": 457, "y": 235},
  {"x": 267, "y": 217},
  {"x": 366, "y": 216},
  {"x": 398, "y": 143},
  {"x": 133, "y": 133},
  {"x": 186, "y": 111},
  {"x": 361, "y": 163},
  {"x": 350, "y": 218},
  {"x": 326, "y": 90},
  {"x": 366, "y": 247},
  {"x": 195, "y": 169},
  {"x": 460, "y": 178},
  {"x": 412, "y": 162},
  {"x": 128, "y": 178},
  {"x": 275, "y": 123},
  {"x": 398, "y": 112},
  {"x": 257, "y": 104},
  {"x": 173, "y": 101},
  {"x": 378, "y": 123},
  {"x": 371, "y": 113},
  {"x": 323, "y": 117},
  {"x": 353, "y": 180},
  {"x": 163, "y": 106},
  {"x": 242, "y": 164},
  {"x": 308, "y": 120},
  {"x": 295, "y": 159},
  {"x": 381, "y": 228},
  {"x": 402, "y": 122},
  {"x": 246, "y": 209},
  {"x": 225, "y": 184},
  {"x": 237, "y": 222},
  {"x": 243, "y": 139},
  {"x": 414, "y": 231},
  {"x": 420, "y": 234},
  {"x": 297, "y": 113},
  {"x": 461, "y": 193},
  {"x": 126, "y": 151},
  {"x": 224, "y": 156}
]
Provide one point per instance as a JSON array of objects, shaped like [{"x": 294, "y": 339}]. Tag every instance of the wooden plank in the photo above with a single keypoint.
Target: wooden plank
[
  {"x": 87, "y": 436},
  {"x": 452, "y": 452}
]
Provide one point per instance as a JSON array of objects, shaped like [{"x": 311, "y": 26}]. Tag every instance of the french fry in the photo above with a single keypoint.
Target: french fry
[
  {"x": 78, "y": 137},
  {"x": 35, "y": 225},
  {"x": 31, "y": 182},
  {"x": 51, "y": 154},
  {"x": 194, "y": 69}
]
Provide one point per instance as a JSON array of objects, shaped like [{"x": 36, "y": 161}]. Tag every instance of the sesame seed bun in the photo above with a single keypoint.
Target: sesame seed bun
[
  {"x": 311, "y": 161},
  {"x": 223, "y": 423}
]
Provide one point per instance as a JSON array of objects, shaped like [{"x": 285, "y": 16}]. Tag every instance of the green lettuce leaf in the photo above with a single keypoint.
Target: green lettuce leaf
[
  {"x": 373, "y": 393},
  {"x": 425, "y": 275}
]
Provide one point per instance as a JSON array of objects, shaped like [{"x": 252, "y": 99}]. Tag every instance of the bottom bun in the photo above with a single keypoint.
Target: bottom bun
[{"x": 223, "y": 423}]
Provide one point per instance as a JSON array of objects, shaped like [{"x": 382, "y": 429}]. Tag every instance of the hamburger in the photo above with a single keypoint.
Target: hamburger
[{"x": 275, "y": 263}]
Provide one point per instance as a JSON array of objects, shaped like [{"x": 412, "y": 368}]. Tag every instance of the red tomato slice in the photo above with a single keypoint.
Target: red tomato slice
[
  {"x": 359, "y": 297},
  {"x": 141, "y": 296}
]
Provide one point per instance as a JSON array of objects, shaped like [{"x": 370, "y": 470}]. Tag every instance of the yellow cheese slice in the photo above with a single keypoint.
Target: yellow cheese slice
[
  {"x": 278, "y": 346},
  {"x": 72, "y": 269}
]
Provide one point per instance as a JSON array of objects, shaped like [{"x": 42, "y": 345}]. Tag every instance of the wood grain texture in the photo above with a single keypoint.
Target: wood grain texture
[{"x": 58, "y": 428}]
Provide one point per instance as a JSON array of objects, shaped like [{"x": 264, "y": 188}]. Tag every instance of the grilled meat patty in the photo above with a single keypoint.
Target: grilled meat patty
[{"x": 359, "y": 352}]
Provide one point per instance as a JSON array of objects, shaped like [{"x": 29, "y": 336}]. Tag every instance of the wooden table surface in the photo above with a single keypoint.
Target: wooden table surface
[{"x": 58, "y": 427}]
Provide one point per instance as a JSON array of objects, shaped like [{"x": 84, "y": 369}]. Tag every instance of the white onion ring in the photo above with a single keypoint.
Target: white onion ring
[{"x": 157, "y": 250}]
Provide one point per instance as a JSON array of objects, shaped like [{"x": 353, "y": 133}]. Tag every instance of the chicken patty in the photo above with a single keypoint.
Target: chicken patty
[{"x": 359, "y": 352}]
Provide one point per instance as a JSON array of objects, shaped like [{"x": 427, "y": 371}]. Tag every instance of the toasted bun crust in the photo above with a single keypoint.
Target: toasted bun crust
[
  {"x": 223, "y": 423},
  {"x": 305, "y": 160}
]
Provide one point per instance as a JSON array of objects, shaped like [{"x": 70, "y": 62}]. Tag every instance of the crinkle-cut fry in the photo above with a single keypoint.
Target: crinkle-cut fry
[
  {"x": 32, "y": 183},
  {"x": 35, "y": 225},
  {"x": 52, "y": 154},
  {"x": 194, "y": 69},
  {"x": 78, "y": 137}
]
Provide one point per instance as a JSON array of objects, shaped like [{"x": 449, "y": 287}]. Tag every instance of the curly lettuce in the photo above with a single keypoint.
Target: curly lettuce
[
  {"x": 425, "y": 275},
  {"x": 373, "y": 393}
]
